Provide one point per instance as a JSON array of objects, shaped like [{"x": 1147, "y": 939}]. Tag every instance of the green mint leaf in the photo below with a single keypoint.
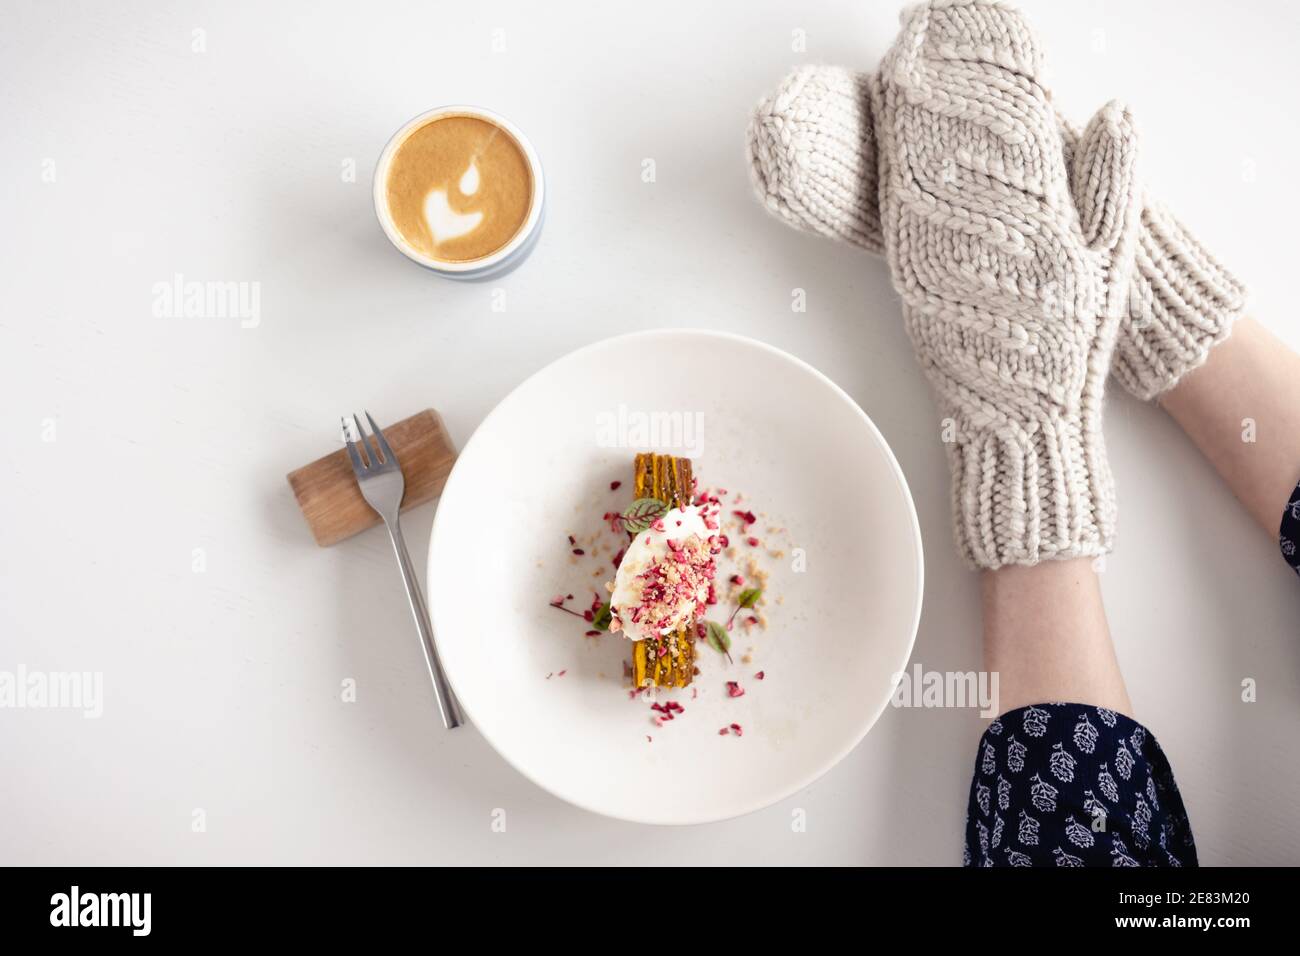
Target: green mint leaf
[
  {"x": 749, "y": 597},
  {"x": 601, "y": 620}
]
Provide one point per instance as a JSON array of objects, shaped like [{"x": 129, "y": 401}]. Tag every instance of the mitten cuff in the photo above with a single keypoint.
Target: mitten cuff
[
  {"x": 1182, "y": 302},
  {"x": 1024, "y": 495}
]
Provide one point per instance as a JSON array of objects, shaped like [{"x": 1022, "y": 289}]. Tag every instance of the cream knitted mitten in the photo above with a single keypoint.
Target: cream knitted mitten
[
  {"x": 812, "y": 151},
  {"x": 1013, "y": 271}
]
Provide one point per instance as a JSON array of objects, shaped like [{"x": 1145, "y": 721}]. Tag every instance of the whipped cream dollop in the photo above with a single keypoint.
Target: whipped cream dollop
[{"x": 665, "y": 579}]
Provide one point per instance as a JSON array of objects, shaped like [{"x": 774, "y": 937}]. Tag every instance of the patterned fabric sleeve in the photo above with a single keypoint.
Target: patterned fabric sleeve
[
  {"x": 1074, "y": 785},
  {"x": 1289, "y": 534}
]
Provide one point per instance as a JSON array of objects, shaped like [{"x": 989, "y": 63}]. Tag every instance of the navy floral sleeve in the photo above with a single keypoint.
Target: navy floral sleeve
[
  {"x": 1289, "y": 534},
  {"x": 1074, "y": 785},
  {"x": 1077, "y": 785}
]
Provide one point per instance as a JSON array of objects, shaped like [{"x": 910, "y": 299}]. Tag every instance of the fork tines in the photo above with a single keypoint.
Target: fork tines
[{"x": 366, "y": 457}]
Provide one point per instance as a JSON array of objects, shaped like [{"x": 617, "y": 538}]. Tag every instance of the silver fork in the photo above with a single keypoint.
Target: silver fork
[{"x": 382, "y": 486}]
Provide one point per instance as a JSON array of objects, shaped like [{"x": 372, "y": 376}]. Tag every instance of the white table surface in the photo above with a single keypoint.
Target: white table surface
[{"x": 222, "y": 688}]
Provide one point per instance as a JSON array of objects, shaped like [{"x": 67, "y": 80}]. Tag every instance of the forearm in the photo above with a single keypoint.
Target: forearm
[
  {"x": 1046, "y": 637},
  {"x": 1242, "y": 410}
]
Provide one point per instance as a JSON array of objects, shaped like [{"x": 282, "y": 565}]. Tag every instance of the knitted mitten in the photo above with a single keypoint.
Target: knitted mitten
[
  {"x": 1013, "y": 271},
  {"x": 812, "y": 151}
]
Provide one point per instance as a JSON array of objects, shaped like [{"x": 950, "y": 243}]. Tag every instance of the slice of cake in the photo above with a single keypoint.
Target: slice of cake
[{"x": 665, "y": 580}]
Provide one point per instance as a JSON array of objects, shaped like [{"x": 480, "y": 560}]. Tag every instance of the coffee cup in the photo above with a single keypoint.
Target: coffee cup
[{"x": 459, "y": 190}]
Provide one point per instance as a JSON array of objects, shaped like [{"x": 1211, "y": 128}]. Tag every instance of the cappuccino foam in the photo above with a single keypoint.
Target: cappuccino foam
[{"x": 458, "y": 188}]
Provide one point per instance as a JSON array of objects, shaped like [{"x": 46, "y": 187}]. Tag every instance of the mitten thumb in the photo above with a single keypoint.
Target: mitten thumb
[
  {"x": 1104, "y": 180},
  {"x": 812, "y": 155}
]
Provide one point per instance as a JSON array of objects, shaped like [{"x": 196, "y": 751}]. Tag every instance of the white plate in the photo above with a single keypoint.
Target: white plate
[{"x": 539, "y": 468}]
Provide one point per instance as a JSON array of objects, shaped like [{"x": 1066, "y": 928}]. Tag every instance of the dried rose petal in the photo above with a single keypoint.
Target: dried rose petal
[{"x": 734, "y": 689}]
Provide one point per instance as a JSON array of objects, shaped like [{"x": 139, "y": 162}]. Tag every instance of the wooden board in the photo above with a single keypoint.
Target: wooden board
[{"x": 330, "y": 498}]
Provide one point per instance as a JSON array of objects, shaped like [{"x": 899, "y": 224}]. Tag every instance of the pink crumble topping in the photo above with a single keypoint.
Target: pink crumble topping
[
  {"x": 673, "y": 590},
  {"x": 667, "y": 711}
]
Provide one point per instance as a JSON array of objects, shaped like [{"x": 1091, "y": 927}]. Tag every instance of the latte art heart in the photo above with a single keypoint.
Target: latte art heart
[{"x": 444, "y": 222}]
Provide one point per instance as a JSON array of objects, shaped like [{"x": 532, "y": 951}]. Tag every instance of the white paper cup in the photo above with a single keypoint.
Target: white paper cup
[{"x": 508, "y": 256}]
